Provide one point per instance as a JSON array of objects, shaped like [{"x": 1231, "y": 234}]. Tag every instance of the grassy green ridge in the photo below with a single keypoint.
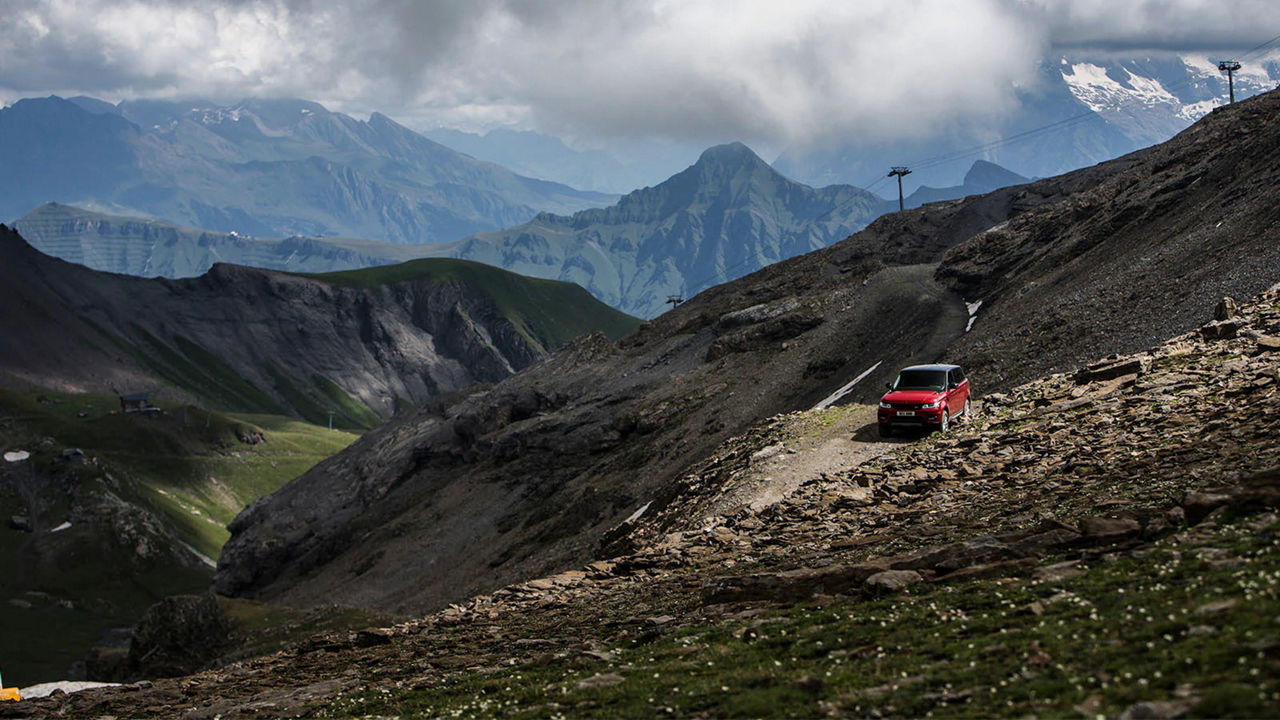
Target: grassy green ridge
[
  {"x": 186, "y": 466},
  {"x": 1193, "y": 620},
  {"x": 549, "y": 313}
]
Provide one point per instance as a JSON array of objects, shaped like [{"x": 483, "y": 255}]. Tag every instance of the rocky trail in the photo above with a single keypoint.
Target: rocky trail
[{"x": 804, "y": 569}]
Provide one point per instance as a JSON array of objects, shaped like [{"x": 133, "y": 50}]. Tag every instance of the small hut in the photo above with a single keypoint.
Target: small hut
[{"x": 135, "y": 402}]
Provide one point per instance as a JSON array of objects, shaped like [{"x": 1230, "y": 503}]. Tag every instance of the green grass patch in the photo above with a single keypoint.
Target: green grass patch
[
  {"x": 186, "y": 466},
  {"x": 549, "y": 313},
  {"x": 352, "y": 411},
  {"x": 1131, "y": 629}
]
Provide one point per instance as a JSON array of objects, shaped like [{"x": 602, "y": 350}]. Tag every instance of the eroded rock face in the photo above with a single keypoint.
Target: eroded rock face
[{"x": 249, "y": 339}]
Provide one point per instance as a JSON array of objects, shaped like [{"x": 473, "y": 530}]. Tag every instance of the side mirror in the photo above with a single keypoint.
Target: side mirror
[{"x": 889, "y": 385}]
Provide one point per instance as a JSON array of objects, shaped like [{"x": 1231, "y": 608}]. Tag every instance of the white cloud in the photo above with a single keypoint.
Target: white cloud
[{"x": 763, "y": 71}]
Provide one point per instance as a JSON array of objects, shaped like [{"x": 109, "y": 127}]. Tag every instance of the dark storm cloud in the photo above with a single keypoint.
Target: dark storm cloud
[
  {"x": 1172, "y": 25},
  {"x": 694, "y": 70}
]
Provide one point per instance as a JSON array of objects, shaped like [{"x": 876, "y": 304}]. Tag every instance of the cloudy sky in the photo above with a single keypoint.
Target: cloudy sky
[{"x": 692, "y": 71}]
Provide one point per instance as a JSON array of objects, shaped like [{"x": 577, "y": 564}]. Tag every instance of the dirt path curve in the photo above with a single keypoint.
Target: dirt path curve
[
  {"x": 837, "y": 438},
  {"x": 828, "y": 441}
]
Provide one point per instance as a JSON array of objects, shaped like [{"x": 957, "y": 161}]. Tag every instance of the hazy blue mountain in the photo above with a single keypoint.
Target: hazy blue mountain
[
  {"x": 983, "y": 177},
  {"x": 727, "y": 215},
  {"x": 1111, "y": 106},
  {"x": 260, "y": 167},
  {"x": 625, "y": 166},
  {"x": 153, "y": 248}
]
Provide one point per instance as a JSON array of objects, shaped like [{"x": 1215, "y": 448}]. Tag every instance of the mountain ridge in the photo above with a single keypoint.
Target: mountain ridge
[
  {"x": 624, "y": 421},
  {"x": 323, "y": 342},
  {"x": 261, "y": 167},
  {"x": 725, "y": 215}
]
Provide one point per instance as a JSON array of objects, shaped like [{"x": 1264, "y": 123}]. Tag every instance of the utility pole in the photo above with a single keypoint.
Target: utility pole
[
  {"x": 1229, "y": 67},
  {"x": 899, "y": 171},
  {"x": 675, "y": 300}
]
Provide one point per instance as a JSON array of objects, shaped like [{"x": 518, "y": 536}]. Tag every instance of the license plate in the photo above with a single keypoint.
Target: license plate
[{"x": 906, "y": 412}]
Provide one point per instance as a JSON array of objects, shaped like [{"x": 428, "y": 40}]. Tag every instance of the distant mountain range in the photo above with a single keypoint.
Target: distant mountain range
[
  {"x": 260, "y": 167},
  {"x": 153, "y": 248},
  {"x": 1094, "y": 108},
  {"x": 727, "y": 215}
]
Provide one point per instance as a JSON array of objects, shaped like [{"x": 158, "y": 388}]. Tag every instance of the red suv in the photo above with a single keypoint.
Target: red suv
[{"x": 924, "y": 396}]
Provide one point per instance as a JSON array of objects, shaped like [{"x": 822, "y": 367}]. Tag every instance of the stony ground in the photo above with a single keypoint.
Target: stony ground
[{"x": 1098, "y": 543}]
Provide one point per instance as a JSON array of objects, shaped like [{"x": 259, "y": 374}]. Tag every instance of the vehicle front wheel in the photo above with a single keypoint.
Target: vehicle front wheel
[
  {"x": 886, "y": 430},
  {"x": 945, "y": 425}
]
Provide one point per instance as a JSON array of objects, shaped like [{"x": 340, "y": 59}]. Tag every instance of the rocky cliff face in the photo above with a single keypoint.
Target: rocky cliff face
[
  {"x": 249, "y": 339},
  {"x": 530, "y": 476}
]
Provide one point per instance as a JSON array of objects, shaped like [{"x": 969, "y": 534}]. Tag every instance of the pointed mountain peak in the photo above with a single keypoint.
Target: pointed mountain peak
[
  {"x": 989, "y": 176},
  {"x": 729, "y": 154}
]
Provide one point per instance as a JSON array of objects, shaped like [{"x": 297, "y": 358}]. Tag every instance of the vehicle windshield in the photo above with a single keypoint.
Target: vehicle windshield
[{"x": 921, "y": 380}]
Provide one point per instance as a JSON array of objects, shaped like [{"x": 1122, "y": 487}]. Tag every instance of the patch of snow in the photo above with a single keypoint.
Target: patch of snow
[
  {"x": 67, "y": 686},
  {"x": 61, "y": 527},
  {"x": 199, "y": 555},
  {"x": 1197, "y": 110},
  {"x": 844, "y": 390},
  {"x": 1092, "y": 86},
  {"x": 16, "y": 455},
  {"x": 973, "y": 307},
  {"x": 636, "y": 515}
]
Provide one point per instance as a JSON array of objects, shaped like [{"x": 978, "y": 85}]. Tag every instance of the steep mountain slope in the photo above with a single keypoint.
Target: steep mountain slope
[
  {"x": 359, "y": 344},
  {"x": 151, "y": 248},
  {"x": 535, "y": 472},
  {"x": 113, "y": 511},
  {"x": 1100, "y": 543},
  {"x": 1099, "y": 105},
  {"x": 260, "y": 167},
  {"x": 724, "y": 216},
  {"x": 1129, "y": 261}
]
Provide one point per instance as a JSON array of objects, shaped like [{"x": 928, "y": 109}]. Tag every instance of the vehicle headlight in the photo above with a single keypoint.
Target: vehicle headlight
[
  {"x": 885, "y": 405},
  {"x": 934, "y": 404}
]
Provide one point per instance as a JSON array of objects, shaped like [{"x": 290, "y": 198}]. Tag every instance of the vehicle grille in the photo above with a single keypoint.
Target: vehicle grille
[{"x": 907, "y": 406}]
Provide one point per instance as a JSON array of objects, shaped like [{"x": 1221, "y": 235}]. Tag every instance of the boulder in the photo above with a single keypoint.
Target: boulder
[
  {"x": 1221, "y": 329},
  {"x": 1109, "y": 370},
  {"x": 1228, "y": 309},
  {"x": 891, "y": 581},
  {"x": 789, "y": 586},
  {"x": 1109, "y": 528},
  {"x": 949, "y": 558}
]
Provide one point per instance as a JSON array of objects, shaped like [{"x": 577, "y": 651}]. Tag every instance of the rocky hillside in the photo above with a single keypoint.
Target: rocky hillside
[
  {"x": 534, "y": 473},
  {"x": 362, "y": 344},
  {"x": 723, "y": 217},
  {"x": 273, "y": 168},
  {"x": 1098, "y": 542}
]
